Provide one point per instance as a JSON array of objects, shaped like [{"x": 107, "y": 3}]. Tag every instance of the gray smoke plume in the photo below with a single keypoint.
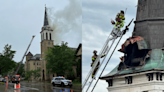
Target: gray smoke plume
[{"x": 66, "y": 20}]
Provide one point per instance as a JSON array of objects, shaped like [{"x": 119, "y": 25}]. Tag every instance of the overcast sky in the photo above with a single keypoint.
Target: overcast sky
[
  {"x": 96, "y": 26},
  {"x": 22, "y": 19}
]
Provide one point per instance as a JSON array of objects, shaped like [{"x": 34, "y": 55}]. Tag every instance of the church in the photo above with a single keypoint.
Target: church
[{"x": 37, "y": 61}]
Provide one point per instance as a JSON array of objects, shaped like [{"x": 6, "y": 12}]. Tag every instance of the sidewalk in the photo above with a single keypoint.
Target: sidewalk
[{"x": 2, "y": 87}]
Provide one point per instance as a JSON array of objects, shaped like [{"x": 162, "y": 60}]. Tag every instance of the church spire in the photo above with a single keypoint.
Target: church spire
[{"x": 45, "y": 18}]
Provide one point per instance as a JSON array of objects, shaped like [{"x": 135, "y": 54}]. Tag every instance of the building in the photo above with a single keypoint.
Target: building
[
  {"x": 32, "y": 62},
  {"x": 149, "y": 76},
  {"x": 78, "y": 55},
  {"x": 38, "y": 61}
]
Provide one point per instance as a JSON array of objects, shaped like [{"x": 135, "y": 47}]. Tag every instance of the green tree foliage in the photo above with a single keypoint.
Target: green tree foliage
[
  {"x": 59, "y": 59},
  {"x": 6, "y": 62},
  {"x": 28, "y": 75},
  {"x": 71, "y": 75},
  {"x": 34, "y": 73}
]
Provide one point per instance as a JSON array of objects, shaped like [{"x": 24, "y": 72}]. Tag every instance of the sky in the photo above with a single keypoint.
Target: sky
[
  {"x": 20, "y": 20},
  {"x": 96, "y": 26}
]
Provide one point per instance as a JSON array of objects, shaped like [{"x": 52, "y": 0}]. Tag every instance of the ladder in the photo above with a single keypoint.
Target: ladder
[
  {"x": 96, "y": 61},
  {"x": 23, "y": 57},
  {"x": 104, "y": 49}
]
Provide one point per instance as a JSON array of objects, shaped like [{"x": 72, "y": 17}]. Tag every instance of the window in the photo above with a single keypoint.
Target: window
[
  {"x": 34, "y": 63},
  {"x": 50, "y": 36},
  {"x": 43, "y": 36},
  {"x": 48, "y": 43},
  {"x": 37, "y": 63},
  {"x": 46, "y": 36}
]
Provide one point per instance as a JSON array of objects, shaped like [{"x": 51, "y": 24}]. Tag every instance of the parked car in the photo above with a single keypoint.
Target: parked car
[
  {"x": 1, "y": 79},
  {"x": 61, "y": 81},
  {"x": 16, "y": 79},
  {"x": 4, "y": 80}
]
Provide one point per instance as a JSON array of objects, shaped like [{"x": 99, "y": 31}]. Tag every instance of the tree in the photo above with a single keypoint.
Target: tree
[
  {"x": 6, "y": 62},
  {"x": 34, "y": 73},
  {"x": 28, "y": 75},
  {"x": 59, "y": 59}
]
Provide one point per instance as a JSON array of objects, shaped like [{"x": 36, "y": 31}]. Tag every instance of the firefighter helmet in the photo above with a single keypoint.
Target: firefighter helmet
[
  {"x": 122, "y": 11},
  {"x": 94, "y": 51}
]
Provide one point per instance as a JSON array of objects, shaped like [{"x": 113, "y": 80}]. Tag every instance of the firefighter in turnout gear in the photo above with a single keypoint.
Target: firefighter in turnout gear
[
  {"x": 93, "y": 60},
  {"x": 120, "y": 20},
  {"x": 119, "y": 23}
]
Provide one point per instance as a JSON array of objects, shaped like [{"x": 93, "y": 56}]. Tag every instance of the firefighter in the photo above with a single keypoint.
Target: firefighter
[
  {"x": 119, "y": 20},
  {"x": 93, "y": 60}
]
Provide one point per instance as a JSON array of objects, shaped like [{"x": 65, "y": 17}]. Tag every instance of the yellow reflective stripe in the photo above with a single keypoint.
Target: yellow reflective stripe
[{"x": 93, "y": 58}]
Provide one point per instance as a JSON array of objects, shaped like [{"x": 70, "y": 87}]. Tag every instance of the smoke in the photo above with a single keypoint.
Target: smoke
[{"x": 67, "y": 20}]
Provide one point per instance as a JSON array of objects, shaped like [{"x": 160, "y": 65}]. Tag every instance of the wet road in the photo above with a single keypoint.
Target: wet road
[{"x": 39, "y": 87}]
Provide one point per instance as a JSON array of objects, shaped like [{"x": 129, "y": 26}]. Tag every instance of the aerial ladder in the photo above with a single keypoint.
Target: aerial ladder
[
  {"x": 115, "y": 34},
  {"x": 23, "y": 56}
]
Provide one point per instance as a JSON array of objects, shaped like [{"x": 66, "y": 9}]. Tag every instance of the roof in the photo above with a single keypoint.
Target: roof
[
  {"x": 45, "y": 18},
  {"x": 78, "y": 48},
  {"x": 78, "y": 51},
  {"x": 29, "y": 54},
  {"x": 155, "y": 62},
  {"x": 36, "y": 57}
]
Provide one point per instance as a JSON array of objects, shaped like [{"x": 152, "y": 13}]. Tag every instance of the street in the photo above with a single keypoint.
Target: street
[{"x": 24, "y": 86}]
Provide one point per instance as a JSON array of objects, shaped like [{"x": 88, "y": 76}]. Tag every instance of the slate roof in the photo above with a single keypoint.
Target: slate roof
[
  {"x": 29, "y": 54},
  {"x": 78, "y": 48},
  {"x": 36, "y": 57},
  {"x": 156, "y": 62},
  {"x": 45, "y": 18}
]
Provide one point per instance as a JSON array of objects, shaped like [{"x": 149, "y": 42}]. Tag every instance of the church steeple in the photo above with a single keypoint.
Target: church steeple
[
  {"x": 45, "y": 18},
  {"x": 149, "y": 22},
  {"x": 46, "y": 30}
]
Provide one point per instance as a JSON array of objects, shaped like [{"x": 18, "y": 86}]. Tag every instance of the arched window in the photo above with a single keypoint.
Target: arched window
[
  {"x": 43, "y": 36},
  {"x": 50, "y": 36},
  {"x": 46, "y": 36}
]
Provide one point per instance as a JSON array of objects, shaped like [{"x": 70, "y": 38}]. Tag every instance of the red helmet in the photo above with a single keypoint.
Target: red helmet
[{"x": 94, "y": 51}]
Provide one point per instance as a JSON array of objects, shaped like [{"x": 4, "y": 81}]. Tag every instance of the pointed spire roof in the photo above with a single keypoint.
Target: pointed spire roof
[
  {"x": 45, "y": 18},
  {"x": 29, "y": 54}
]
